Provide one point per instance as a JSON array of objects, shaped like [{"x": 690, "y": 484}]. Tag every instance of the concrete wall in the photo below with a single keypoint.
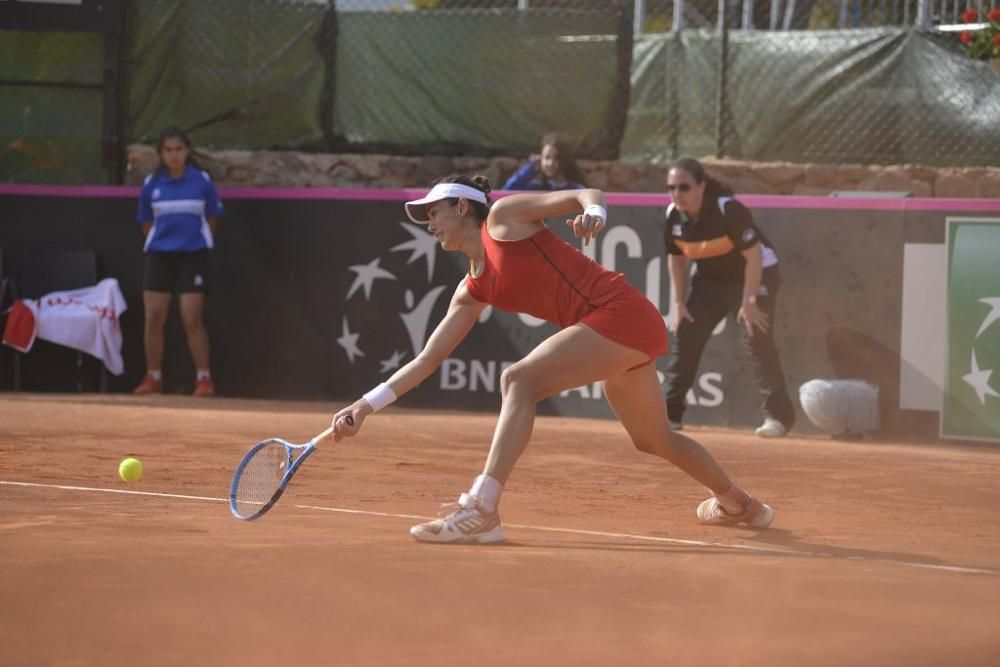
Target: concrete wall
[{"x": 289, "y": 169}]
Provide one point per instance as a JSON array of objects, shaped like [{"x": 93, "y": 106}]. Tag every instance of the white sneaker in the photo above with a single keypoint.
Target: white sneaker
[
  {"x": 755, "y": 514},
  {"x": 464, "y": 523},
  {"x": 771, "y": 428}
]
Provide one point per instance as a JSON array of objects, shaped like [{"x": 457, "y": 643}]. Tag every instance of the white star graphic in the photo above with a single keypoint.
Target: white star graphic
[
  {"x": 992, "y": 316},
  {"x": 980, "y": 381},
  {"x": 392, "y": 363},
  {"x": 367, "y": 275},
  {"x": 422, "y": 245},
  {"x": 416, "y": 320},
  {"x": 349, "y": 341}
]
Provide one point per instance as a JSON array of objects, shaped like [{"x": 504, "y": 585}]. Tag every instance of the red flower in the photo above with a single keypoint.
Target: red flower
[
  {"x": 970, "y": 16},
  {"x": 965, "y": 37},
  {"x": 994, "y": 15},
  {"x": 996, "y": 40}
]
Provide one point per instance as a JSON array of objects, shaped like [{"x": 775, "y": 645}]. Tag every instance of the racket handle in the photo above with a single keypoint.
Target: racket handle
[{"x": 322, "y": 436}]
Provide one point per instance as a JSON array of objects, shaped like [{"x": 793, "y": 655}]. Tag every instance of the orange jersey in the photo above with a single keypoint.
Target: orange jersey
[{"x": 548, "y": 278}]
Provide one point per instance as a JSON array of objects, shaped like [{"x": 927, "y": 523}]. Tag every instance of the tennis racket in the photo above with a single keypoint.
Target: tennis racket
[{"x": 265, "y": 471}]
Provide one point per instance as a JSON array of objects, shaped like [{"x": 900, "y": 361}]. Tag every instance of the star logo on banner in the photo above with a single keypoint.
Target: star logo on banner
[
  {"x": 349, "y": 341},
  {"x": 992, "y": 316},
  {"x": 421, "y": 245},
  {"x": 367, "y": 275},
  {"x": 979, "y": 378},
  {"x": 980, "y": 381},
  {"x": 392, "y": 363}
]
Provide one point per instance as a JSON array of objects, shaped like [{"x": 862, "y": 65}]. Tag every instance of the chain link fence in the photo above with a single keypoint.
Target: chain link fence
[{"x": 639, "y": 80}]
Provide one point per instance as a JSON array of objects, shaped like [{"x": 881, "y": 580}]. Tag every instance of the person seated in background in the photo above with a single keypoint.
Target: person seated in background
[{"x": 552, "y": 169}]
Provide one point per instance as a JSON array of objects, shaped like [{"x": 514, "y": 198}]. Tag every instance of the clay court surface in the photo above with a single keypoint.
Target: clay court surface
[{"x": 881, "y": 554}]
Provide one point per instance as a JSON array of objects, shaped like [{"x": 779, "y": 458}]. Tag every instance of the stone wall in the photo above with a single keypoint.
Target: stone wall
[{"x": 291, "y": 169}]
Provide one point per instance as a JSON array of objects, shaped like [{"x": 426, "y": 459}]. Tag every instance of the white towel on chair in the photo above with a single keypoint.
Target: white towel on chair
[{"x": 85, "y": 319}]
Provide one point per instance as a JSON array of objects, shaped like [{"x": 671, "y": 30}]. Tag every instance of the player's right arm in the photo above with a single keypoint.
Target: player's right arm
[
  {"x": 462, "y": 314},
  {"x": 452, "y": 330},
  {"x": 518, "y": 216}
]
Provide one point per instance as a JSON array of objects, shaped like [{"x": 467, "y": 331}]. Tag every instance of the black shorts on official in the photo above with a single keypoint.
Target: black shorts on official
[{"x": 179, "y": 272}]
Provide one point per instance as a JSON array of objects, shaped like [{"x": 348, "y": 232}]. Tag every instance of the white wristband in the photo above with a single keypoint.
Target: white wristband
[
  {"x": 597, "y": 211},
  {"x": 380, "y": 397}
]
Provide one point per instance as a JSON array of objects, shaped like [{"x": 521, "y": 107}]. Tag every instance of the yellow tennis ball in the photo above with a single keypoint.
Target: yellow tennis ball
[{"x": 130, "y": 470}]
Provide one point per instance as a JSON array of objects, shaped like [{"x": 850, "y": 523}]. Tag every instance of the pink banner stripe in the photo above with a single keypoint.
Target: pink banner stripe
[{"x": 638, "y": 199}]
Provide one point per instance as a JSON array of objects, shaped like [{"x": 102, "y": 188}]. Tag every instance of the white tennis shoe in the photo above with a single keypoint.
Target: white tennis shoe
[
  {"x": 463, "y": 522},
  {"x": 755, "y": 514},
  {"x": 771, "y": 428}
]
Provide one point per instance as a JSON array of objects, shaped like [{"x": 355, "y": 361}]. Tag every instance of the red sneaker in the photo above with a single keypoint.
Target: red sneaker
[
  {"x": 204, "y": 388},
  {"x": 149, "y": 386}
]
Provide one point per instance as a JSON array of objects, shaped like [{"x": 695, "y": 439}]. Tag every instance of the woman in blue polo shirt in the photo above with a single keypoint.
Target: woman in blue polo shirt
[
  {"x": 737, "y": 272},
  {"x": 178, "y": 208}
]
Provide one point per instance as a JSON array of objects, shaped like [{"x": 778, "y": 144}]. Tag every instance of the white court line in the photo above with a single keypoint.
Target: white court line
[{"x": 571, "y": 531}]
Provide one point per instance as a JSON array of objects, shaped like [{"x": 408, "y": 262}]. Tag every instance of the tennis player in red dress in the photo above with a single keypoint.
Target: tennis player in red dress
[{"x": 609, "y": 332}]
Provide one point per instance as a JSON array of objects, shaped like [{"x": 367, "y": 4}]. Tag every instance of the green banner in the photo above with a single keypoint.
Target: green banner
[{"x": 971, "y": 408}]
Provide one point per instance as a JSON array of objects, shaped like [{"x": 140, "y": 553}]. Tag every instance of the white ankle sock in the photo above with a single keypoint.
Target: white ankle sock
[
  {"x": 488, "y": 491},
  {"x": 156, "y": 375},
  {"x": 204, "y": 375}
]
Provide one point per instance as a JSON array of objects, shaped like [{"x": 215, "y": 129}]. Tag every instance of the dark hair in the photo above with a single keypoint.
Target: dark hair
[
  {"x": 174, "y": 132},
  {"x": 567, "y": 157},
  {"x": 713, "y": 186},
  {"x": 480, "y": 183}
]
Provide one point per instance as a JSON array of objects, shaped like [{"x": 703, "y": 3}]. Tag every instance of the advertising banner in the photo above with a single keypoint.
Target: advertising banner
[{"x": 971, "y": 408}]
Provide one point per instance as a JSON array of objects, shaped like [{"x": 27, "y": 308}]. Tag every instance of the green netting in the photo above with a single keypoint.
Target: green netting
[
  {"x": 51, "y": 107},
  {"x": 880, "y": 96},
  {"x": 243, "y": 74},
  {"x": 51, "y": 57},
  {"x": 484, "y": 79}
]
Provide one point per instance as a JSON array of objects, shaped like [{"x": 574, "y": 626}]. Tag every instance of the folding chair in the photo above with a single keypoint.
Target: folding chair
[{"x": 49, "y": 270}]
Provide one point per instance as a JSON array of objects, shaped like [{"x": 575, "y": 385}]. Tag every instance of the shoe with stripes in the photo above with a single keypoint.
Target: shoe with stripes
[
  {"x": 754, "y": 513},
  {"x": 464, "y": 522}
]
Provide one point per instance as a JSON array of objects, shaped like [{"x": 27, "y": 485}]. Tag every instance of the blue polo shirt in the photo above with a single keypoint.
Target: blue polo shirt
[{"x": 179, "y": 210}]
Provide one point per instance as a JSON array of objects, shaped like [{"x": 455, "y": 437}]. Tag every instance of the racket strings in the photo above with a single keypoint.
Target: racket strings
[{"x": 261, "y": 478}]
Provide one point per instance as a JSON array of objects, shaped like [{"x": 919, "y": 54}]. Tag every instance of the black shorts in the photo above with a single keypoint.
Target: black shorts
[{"x": 179, "y": 272}]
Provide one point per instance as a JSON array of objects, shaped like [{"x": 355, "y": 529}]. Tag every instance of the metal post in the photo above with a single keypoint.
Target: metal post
[
  {"x": 748, "y": 15},
  {"x": 775, "y": 14},
  {"x": 638, "y": 17},
  {"x": 842, "y": 21},
  {"x": 678, "y": 15},
  {"x": 720, "y": 96},
  {"x": 522, "y": 4},
  {"x": 789, "y": 14},
  {"x": 924, "y": 12},
  {"x": 115, "y": 96}
]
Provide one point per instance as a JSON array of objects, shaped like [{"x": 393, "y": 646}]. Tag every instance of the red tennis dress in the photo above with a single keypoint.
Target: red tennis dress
[{"x": 544, "y": 276}]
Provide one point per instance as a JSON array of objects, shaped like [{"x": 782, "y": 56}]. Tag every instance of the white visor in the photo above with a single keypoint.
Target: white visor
[{"x": 417, "y": 209}]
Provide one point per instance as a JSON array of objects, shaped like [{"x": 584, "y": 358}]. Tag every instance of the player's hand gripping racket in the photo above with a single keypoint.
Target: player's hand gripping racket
[{"x": 263, "y": 474}]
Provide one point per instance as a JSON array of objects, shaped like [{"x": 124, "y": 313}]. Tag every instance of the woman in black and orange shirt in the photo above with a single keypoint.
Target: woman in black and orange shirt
[{"x": 737, "y": 271}]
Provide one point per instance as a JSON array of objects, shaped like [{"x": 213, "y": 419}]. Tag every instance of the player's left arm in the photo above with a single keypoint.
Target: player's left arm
[{"x": 589, "y": 206}]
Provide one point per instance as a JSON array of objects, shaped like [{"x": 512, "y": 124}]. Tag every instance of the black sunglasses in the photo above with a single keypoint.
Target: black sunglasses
[{"x": 680, "y": 187}]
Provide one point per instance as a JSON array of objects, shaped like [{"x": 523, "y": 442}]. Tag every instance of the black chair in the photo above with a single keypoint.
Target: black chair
[
  {"x": 6, "y": 300},
  {"x": 46, "y": 271}
]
